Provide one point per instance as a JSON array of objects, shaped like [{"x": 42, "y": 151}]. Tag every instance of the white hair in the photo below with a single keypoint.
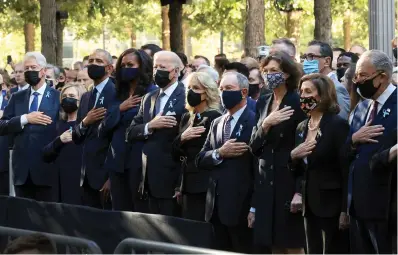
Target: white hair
[
  {"x": 40, "y": 59},
  {"x": 242, "y": 80},
  {"x": 209, "y": 70},
  {"x": 108, "y": 56},
  {"x": 379, "y": 60}
]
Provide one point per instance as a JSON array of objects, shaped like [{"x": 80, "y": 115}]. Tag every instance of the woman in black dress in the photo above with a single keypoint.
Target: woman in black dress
[
  {"x": 66, "y": 155},
  {"x": 276, "y": 225},
  {"x": 133, "y": 80},
  {"x": 203, "y": 103},
  {"x": 317, "y": 157}
]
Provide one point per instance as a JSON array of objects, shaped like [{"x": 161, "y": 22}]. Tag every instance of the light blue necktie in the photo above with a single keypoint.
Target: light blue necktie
[{"x": 34, "y": 106}]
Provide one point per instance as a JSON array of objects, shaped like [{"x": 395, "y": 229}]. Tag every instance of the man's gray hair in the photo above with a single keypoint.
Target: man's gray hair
[
  {"x": 40, "y": 59},
  {"x": 210, "y": 71},
  {"x": 380, "y": 61},
  {"x": 108, "y": 56},
  {"x": 57, "y": 71},
  {"x": 243, "y": 82}
]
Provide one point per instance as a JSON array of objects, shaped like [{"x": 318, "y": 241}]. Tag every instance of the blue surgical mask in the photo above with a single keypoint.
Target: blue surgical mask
[
  {"x": 311, "y": 66},
  {"x": 230, "y": 98}
]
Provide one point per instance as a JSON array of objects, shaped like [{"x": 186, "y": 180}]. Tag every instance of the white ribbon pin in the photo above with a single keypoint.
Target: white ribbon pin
[
  {"x": 101, "y": 100},
  {"x": 48, "y": 94},
  {"x": 239, "y": 131},
  {"x": 386, "y": 112}
]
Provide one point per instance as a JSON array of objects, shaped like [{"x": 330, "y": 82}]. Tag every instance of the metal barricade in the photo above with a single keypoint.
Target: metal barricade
[
  {"x": 143, "y": 246},
  {"x": 89, "y": 245}
]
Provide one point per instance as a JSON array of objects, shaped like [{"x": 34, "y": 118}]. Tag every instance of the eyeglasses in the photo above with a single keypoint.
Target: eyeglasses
[{"x": 311, "y": 56}]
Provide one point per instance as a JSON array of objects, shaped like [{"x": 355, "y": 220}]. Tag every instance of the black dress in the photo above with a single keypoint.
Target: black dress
[
  {"x": 275, "y": 184},
  {"x": 67, "y": 159},
  {"x": 193, "y": 181}
]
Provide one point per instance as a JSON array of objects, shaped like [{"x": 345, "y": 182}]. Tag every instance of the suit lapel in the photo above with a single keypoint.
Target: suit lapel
[
  {"x": 220, "y": 127},
  {"x": 170, "y": 105},
  {"x": 387, "y": 109},
  {"x": 25, "y": 103},
  {"x": 301, "y": 133},
  {"x": 240, "y": 125},
  {"x": 320, "y": 133},
  {"x": 153, "y": 103},
  {"x": 46, "y": 100}
]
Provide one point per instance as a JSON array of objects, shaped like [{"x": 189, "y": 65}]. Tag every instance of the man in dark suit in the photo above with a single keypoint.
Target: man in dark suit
[
  {"x": 226, "y": 154},
  {"x": 30, "y": 118},
  {"x": 157, "y": 124},
  {"x": 369, "y": 192},
  {"x": 19, "y": 78},
  {"x": 93, "y": 106},
  {"x": 4, "y": 151}
]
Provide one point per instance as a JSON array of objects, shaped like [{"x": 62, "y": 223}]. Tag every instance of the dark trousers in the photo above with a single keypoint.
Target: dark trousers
[
  {"x": 32, "y": 191},
  {"x": 4, "y": 184},
  {"x": 193, "y": 206},
  {"x": 94, "y": 198},
  {"x": 163, "y": 206},
  {"x": 231, "y": 238},
  {"x": 370, "y": 236},
  {"x": 122, "y": 199},
  {"x": 324, "y": 233}
]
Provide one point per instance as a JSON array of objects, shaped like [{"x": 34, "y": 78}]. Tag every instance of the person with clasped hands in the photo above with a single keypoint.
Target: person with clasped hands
[
  {"x": 93, "y": 106},
  {"x": 277, "y": 191},
  {"x": 30, "y": 118},
  {"x": 317, "y": 157},
  {"x": 369, "y": 192},
  {"x": 67, "y": 156},
  {"x": 157, "y": 125},
  {"x": 202, "y": 105}
]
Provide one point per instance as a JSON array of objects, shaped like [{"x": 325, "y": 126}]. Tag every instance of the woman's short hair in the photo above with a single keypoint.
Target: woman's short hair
[
  {"x": 211, "y": 89},
  {"x": 80, "y": 91},
  {"x": 287, "y": 65},
  {"x": 326, "y": 91}
]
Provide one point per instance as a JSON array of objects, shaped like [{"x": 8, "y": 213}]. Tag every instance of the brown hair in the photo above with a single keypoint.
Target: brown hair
[
  {"x": 326, "y": 90},
  {"x": 287, "y": 65}
]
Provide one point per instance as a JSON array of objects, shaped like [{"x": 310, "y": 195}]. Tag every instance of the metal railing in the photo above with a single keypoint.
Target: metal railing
[
  {"x": 143, "y": 246},
  {"x": 89, "y": 245}
]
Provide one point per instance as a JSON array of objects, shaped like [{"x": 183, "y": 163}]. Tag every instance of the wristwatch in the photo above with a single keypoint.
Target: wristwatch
[{"x": 217, "y": 154}]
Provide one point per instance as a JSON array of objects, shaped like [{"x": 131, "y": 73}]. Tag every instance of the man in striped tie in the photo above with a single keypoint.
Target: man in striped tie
[{"x": 30, "y": 118}]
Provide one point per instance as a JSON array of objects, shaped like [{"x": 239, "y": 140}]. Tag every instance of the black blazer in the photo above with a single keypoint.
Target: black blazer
[
  {"x": 192, "y": 179},
  {"x": 158, "y": 167},
  {"x": 95, "y": 147},
  {"x": 30, "y": 140},
  {"x": 4, "y": 147},
  {"x": 325, "y": 176},
  {"x": 232, "y": 180}
]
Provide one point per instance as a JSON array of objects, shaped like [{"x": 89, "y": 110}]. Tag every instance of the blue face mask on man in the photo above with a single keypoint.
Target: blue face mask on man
[{"x": 311, "y": 66}]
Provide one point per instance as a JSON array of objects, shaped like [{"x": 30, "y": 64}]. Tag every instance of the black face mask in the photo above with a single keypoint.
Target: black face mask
[
  {"x": 162, "y": 78},
  {"x": 394, "y": 52},
  {"x": 60, "y": 85},
  {"x": 69, "y": 104},
  {"x": 193, "y": 98},
  {"x": 129, "y": 74},
  {"x": 181, "y": 74},
  {"x": 254, "y": 89},
  {"x": 230, "y": 98},
  {"x": 366, "y": 88},
  {"x": 32, "y": 77},
  {"x": 340, "y": 72},
  {"x": 96, "y": 72}
]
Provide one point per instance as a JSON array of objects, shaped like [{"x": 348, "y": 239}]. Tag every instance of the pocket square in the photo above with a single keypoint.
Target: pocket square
[{"x": 170, "y": 113}]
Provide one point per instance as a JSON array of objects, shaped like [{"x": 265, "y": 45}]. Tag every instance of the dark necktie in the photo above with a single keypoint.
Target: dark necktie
[
  {"x": 373, "y": 113},
  {"x": 227, "y": 128},
  {"x": 157, "y": 105},
  {"x": 93, "y": 97},
  {"x": 34, "y": 106}
]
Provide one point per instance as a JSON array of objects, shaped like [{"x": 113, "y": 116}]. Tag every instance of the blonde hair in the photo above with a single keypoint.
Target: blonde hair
[
  {"x": 80, "y": 91},
  {"x": 211, "y": 89}
]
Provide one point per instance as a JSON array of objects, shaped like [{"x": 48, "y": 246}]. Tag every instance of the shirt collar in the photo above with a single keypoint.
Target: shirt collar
[
  {"x": 101, "y": 86},
  {"x": 170, "y": 89},
  {"x": 23, "y": 87},
  {"x": 386, "y": 94},
  {"x": 40, "y": 91},
  {"x": 238, "y": 113},
  {"x": 332, "y": 75}
]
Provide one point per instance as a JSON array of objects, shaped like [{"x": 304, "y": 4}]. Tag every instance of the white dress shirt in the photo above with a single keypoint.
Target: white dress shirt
[
  {"x": 41, "y": 91},
  {"x": 381, "y": 99},
  {"x": 168, "y": 92},
  {"x": 234, "y": 121},
  {"x": 26, "y": 86},
  {"x": 100, "y": 87}
]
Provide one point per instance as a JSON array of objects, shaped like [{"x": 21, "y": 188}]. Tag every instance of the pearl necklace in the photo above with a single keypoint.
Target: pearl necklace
[{"x": 317, "y": 126}]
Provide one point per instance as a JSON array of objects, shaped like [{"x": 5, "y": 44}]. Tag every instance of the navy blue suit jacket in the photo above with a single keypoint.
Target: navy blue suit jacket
[
  {"x": 95, "y": 147},
  {"x": 4, "y": 147},
  {"x": 232, "y": 180},
  {"x": 368, "y": 191},
  {"x": 30, "y": 140},
  {"x": 13, "y": 90}
]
